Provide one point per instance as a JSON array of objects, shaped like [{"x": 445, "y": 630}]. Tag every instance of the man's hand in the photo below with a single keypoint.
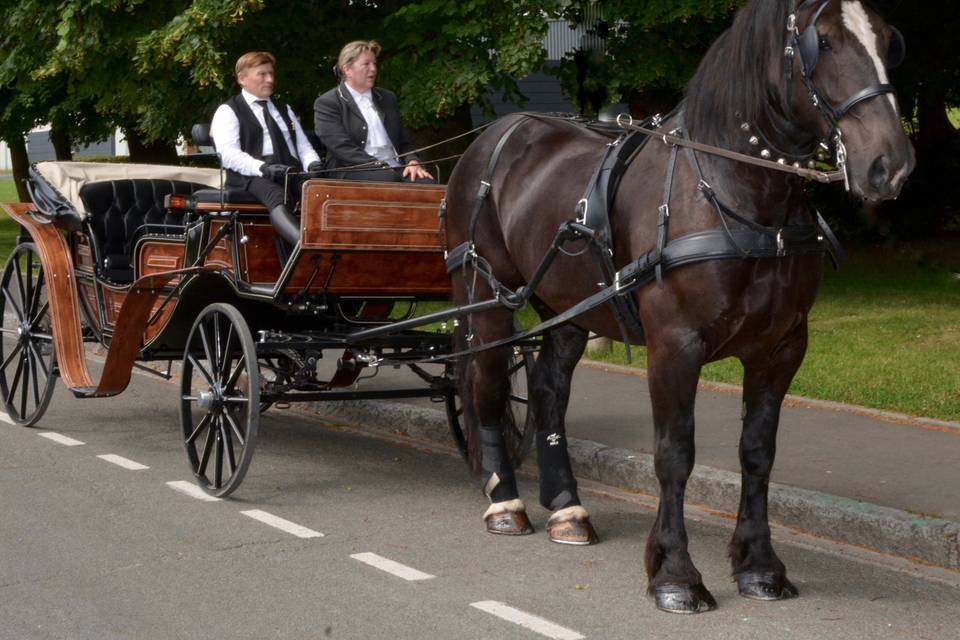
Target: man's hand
[
  {"x": 413, "y": 171},
  {"x": 274, "y": 171},
  {"x": 316, "y": 165}
]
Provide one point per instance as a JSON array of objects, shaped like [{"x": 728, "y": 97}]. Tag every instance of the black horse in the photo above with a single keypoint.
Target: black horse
[{"x": 787, "y": 75}]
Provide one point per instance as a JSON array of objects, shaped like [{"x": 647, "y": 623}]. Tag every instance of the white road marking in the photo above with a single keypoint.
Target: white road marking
[
  {"x": 527, "y": 620},
  {"x": 4, "y": 417},
  {"x": 126, "y": 463},
  {"x": 191, "y": 490},
  {"x": 284, "y": 525},
  {"x": 64, "y": 440},
  {"x": 395, "y": 568}
]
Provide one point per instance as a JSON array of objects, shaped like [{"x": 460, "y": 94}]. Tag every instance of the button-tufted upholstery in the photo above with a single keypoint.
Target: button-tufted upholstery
[{"x": 122, "y": 210}]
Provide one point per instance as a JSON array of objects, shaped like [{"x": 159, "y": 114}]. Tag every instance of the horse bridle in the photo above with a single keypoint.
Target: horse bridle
[{"x": 805, "y": 46}]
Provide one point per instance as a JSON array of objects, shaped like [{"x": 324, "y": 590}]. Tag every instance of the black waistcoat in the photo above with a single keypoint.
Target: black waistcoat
[{"x": 251, "y": 131}]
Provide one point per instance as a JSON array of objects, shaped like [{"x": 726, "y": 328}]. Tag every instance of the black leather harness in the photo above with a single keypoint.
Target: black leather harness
[{"x": 592, "y": 223}]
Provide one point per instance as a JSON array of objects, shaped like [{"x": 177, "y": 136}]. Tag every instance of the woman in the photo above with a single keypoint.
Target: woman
[{"x": 359, "y": 124}]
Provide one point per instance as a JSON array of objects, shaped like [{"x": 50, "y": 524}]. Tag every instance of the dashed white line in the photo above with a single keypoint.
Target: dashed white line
[
  {"x": 395, "y": 568},
  {"x": 279, "y": 523},
  {"x": 126, "y": 463},
  {"x": 192, "y": 490},
  {"x": 527, "y": 620},
  {"x": 62, "y": 439}
]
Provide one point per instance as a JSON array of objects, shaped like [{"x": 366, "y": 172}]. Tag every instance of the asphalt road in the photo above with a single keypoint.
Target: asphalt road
[{"x": 90, "y": 549}]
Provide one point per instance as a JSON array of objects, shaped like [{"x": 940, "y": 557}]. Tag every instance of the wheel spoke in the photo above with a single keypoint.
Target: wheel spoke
[
  {"x": 227, "y": 355},
  {"x": 16, "y": 266},
  {"x": 25, "y": 386},
  {"x": 235, "y": 426},
  {"x": 37, "y": 294},
  {"x": 231, "y": 457},
  {"x": 218, "y": 456},
  {"x": 232, "y": 381},
  {"x": 205, "y": 457},
  {"x": 16, "y": 380},
  {"x": 203, "y": 372},
  {"x": 39, "y": 314},
  {"x": 13, "y": 353},
  {"x": 13, "y": 303},
  {"x": 28, "y": 293},
  {"x": 39, "y": 360},
  {"x": 206, "y": 349},
  {"x": 200, "y": 427},
  {"x": 34, "y": 377}
]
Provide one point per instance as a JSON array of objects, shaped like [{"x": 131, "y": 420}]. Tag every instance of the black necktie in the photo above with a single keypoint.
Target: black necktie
[{"x": 281, "y": 152}]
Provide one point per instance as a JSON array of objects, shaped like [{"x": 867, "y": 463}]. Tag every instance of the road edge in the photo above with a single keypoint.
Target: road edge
[{"x": 928, "y": 540}]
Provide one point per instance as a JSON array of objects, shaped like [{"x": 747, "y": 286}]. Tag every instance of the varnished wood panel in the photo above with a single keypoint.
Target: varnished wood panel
[
  {"x": 112, "y": 302},
  {"x": 259, "y": 263},
  {"x": 89, "y": 293},
  {"x": 157, "y": 256},
  {"x": 220, "y": 255},
  {"x": 83, "y": 254},
  {"x": 372, "y": 273},
  {"x": 341, "y": 214}
]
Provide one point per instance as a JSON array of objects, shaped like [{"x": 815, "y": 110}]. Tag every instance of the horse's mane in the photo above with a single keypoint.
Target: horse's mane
[{"x": 733, "y": 83}]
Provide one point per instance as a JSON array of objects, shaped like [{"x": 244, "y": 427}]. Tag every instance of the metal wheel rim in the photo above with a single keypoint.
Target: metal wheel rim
[
  {"x": 220, "y": 383},
  {"x": 27, "y": 355}
]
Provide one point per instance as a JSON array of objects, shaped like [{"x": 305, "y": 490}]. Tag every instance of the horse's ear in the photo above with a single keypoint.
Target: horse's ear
[{"x": 897, "y": 51}]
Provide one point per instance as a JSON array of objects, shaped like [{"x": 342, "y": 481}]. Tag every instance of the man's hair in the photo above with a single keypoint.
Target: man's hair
[
  {"x": 254, "y": 59},
  {"x": 352, "y": 50}
]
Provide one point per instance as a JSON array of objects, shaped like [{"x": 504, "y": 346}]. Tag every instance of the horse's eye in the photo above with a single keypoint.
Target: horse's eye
[{"x": 824, "y": 44}]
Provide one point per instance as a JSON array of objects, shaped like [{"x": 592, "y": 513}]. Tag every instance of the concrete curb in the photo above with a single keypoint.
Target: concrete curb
[{"x": 933, "y": 541}]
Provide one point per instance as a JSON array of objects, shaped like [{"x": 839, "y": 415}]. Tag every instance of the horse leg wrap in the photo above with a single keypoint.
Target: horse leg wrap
[
  {"x": 499, "y": 483},
  {"x": 558, "y": 487}
]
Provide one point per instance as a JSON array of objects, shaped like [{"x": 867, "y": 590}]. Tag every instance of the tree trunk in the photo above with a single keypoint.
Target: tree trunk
[
  {"x": 18, "y": 156},
  {"x": 156, "y": 152},
  {"x": 62, "y": 144},
  {"x": 459, "y": 123}
]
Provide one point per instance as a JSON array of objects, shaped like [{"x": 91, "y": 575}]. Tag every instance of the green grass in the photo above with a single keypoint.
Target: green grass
[{"x": 8, "y": 228}]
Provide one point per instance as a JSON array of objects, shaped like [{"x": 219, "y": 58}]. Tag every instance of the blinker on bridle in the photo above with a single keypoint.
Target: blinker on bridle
[{"x": 805, "y": 46}]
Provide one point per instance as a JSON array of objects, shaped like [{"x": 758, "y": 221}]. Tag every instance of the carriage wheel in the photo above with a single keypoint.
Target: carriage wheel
[
  {"x": 27, "y": 357},
  {"x": 220, "y": 399},
  {"x": 519, "y": 430}
]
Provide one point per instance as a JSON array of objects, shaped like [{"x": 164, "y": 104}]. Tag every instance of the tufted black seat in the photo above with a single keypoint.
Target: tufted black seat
[{"x": 123, "y": 210}]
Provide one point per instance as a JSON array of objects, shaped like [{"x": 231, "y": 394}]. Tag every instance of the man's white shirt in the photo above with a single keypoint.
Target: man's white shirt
[
  {"x": 225, "y": 131},
  {"x": 378, "y": 142}
]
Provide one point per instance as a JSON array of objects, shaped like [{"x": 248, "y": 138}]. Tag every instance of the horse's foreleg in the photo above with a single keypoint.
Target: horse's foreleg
[
  {"x": 675, "y": 583},
  {"x": 549, "y": 394},
  {"x": 758, "y": 571},
  {"x": 490, "y": 391}
]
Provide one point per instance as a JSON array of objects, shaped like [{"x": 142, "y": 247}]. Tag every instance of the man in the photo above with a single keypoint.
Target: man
[
  {"x": 260, "y": 141},
  {"x": 359, "y": 124}
]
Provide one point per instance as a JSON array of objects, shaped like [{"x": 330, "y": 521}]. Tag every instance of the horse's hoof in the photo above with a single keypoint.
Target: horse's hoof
[
  {"x": 765, "y": 586},
  {"x": 572, "y": 526},
  {"x": 680, "y": 598},
  {"x": 508, "y": 523}
]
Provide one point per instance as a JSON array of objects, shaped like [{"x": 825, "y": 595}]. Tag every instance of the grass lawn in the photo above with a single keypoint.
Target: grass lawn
[{"x": 885, "y": 331}]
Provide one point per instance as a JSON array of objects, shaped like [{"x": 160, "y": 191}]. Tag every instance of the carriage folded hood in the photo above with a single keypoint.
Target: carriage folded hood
[{"x": 69, "y": 177}]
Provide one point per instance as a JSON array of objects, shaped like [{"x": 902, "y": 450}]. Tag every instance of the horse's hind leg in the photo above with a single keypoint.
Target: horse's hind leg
[
  {"x": 549, "y": 395},
  {"x": 758, "y": 571},
  {"x": 674, "y": 367},
  {"x": 486, "y": 392}
]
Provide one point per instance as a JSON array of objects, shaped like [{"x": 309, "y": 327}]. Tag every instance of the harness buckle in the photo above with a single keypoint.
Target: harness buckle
[
  {"x": 656, "y": 121},
  {"x": 792, "y": 23},
  {"x": 664, "y": 213},
  {"x": 842, "y": 159},
  {"x": 706, "y": 189},
  {"x": 582, "y": 206},
  {"x": 781, "y": 249},
  {"x": 627, "y": 120}
]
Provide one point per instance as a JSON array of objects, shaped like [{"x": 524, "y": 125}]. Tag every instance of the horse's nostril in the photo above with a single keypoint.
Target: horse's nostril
[{"x": 879, "y": 173}]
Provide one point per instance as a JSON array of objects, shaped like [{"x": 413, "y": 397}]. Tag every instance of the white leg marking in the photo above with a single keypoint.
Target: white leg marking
[
  {"x": 855, "y": 19},
  {"x": 284, "y": 525},
  {"x": 126, "y": 463},
  {"x": 391, "y": 567},
  {"x": 527, "y": 620},
  {"x": 513, "y": 506},
  {"x": 64, "y": 440},
  {"x": 570, "y": 513},
  {"x": 191, "y": 490},
  {"x": 7, "y": 419}
]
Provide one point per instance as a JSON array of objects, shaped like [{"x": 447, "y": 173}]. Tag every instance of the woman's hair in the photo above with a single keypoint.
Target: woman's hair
[
  {"x": 254, "y": 59},
  {"x": 352, "y": 50}
]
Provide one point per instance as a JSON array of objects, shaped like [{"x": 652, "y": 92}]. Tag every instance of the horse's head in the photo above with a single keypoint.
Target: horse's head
[{"x": 838, "y": 56}]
